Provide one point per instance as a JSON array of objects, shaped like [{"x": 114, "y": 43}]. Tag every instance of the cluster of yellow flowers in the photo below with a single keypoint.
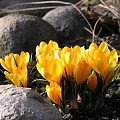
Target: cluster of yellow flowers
[
  {"x": 102, "y": 60},
  {"x": 54, "y": 64},
  {"x": 16, "y": 68}
]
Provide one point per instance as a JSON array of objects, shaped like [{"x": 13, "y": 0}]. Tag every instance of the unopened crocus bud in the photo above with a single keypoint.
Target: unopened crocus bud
[
  {"x": 54, "y": 92},
  {"x": 92, "y": 82}
]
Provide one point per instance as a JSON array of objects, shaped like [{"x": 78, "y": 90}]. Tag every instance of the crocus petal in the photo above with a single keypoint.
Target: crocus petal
[
  {"x": 81, "y": 72},
  {"x": 42, "y": 45},
  {"x": 113, "y": 56},
  {"x": 25, "y": 56},
  {"x": 56, "y": 68},
  {"x": 7, "y": 63},
  {"x": 100, "y": 55},
  {"x": 17, "y": 60},
  {"x": 14, "y": 78},
  {"x": 54, "y": 92},
  {"x": 13, "y": 63},
  {"x": 67, "y": 58},
  {"x": 24, "y": 74},
  {"x": 103, "y": 46},
  {"x": 5, "y": 66},
  {"x": 53, "y": 44},
  {"x": 92, "y": 48},
  {"x": 92, "y": 64},
  {"x": 99, "y": 65}
]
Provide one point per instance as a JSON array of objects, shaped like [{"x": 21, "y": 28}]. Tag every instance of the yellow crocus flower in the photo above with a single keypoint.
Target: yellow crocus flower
[
  {"x": 15, "y": 60},
  {"x": 92, "y": 82},
  {"x": 19, "y": 77},
  {"x": 81, "y": 71},
  {"x": 70, "y": 58},
  {"x": 54, "y": 92},
  {"x": 16, "y": 68},
  {"x": 42, "y": 48},
  {"x": 50, "y": 68},
  {"x": 45, "y": 50},
  {"x": 67, "y": 58},
  {"x": 101, "y": 59}
]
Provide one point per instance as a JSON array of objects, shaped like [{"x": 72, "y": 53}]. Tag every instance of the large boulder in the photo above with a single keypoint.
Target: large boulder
[
  {"x": 25, "y": 104},
  {"x": 69, "y": 24},
  {"x": 19, "y": 32}
]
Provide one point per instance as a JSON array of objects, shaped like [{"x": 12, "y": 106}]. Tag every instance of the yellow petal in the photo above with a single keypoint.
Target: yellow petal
[
  {"x": 8, "y": 61},
  {"x": 75, "y": 59},
  {"x": 100, "y": 65},
  {"x": 42, "y": 45},
  {"x": 92, "y": 64},
  {"x": 53, "y": 44},
  {"x": 24, "y": 74},
  {"x": 77, "y": 49},
  {"x": 68, "y": 70},
  {"x": 17, "y": 60},
  {"x": 24, "y": 58},
  {"x": 93, "y": 45},
  {"x": 43, "y": 67},
  {"x": 100, "y": 55},
  {"x": 103, "y": 46},
  {"x": 67, "y": 58},
  {"x": 54, "y": 92},
  {"x": 81, "y": 72},
  {"x": 5, "y": 66},
  {"x": 92, "y": 48},
  {"x": 14, "y": 78},
  {"x": 13, "y": 63},
  {"x": 113, "y": 56},
  {"x": 63, "y": 52},
  {"x": 56, "y": 68},
  {"x": 107, "y": 53}
]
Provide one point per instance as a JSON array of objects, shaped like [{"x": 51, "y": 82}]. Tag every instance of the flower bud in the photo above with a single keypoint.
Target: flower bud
[{"x": 92, "y": 82}]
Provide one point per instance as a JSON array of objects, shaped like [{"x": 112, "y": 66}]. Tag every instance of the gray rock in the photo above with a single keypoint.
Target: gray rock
[
  {"x": 19, "y": 32},
  {"x": 68, "y": 22},
  {"x": 12, "y": 5},
  {"x": 38, "y": 12},
  {"x": 25, "y": 104}
]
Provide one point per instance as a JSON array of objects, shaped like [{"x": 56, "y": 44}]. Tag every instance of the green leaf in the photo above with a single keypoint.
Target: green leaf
[{"x": 117, "y": 72}]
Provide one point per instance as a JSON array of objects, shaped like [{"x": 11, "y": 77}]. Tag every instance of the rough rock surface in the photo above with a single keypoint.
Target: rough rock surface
[
  {"x": 25, "y": 104},
  {"x": 19, "y": 32},
  {"x": 68, "y": 23},
  {"x": 10, "y": 5},
  {"x": 39, "y": 12}
]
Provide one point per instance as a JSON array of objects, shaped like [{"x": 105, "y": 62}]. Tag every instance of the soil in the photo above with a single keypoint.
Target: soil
[{"x": 110, "y": 110}]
